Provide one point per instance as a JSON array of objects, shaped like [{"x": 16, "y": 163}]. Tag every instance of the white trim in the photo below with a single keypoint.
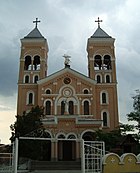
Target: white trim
[
  {"x": 96, "y": 55},
  {"x": 60, "y": 133},
  {"x": 24, "y": 56},
  {"x": 109, "y": 77},
  {"x": 61, "y": 98},
  {"x": 27, "y": 97},
  {"x": 46, "y": 101},
  {"x": 86, "y": 100},
  {"x": 107, "y": 98},
  {"x": 108, "y": 117},
  {"x": 34, "y": 77},
  {"x": 107, "y": 55},
  {"x": 98, "y": 52},
  {"x": 98, "y": 74},
  {"x": 49, "y": 133},
  {"x": 71, "y": 134},
  {"x": 85, "y": 131},
  {"x": 25, "y": 77},
  {"x": 36, "y": 55},
  {"x": 63, "y": 72},
  {"x": 85, "y": 89},
  {"x": 48, "y": 89}
]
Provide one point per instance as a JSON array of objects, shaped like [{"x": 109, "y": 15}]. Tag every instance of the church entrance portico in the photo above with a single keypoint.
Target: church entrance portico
[{"x": 66, "y": 150}]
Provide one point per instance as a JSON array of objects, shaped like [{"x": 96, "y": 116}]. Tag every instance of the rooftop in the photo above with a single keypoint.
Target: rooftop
[
  {"x": 35, "y": 33},
  {"x": 99, "y": 33}
]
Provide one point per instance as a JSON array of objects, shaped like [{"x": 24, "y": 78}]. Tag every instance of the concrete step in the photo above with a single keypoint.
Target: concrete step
[
  {"x": 57, "y": 171},
  {"x": 57, "y": 165}
]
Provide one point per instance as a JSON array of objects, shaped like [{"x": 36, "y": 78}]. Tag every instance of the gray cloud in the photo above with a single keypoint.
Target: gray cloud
[{"x": 67, "y": 24}]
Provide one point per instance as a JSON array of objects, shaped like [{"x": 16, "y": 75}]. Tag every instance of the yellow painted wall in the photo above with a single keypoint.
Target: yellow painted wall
[{"x": 127, "y": 163}]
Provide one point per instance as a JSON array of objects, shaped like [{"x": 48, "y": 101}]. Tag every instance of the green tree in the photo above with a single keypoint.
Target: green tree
[
  {"x": 30, "y": 125},
  {"x": 135, "y": 114},
  {"x": 125, "y": 128},
  {"x": 110, "y": 138}
]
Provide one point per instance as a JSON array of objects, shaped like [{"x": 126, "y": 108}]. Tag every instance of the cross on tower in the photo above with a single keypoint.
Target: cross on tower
[
  {"x": 98, "y": 22},
  {"x": 36, "y": 21}
]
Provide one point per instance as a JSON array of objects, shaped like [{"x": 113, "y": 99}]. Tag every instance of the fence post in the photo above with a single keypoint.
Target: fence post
[
  {"x": 16, "y": 156},
  {"x": 82, "y": 156}
]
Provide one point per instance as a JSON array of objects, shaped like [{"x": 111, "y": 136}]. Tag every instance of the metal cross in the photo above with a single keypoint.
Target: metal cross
[
  {"x": 112, "y": 160},
  {"x": 36, "y": 21},
  {"x": 129, "y": 159},
  {"x": 98, "y": 22}
]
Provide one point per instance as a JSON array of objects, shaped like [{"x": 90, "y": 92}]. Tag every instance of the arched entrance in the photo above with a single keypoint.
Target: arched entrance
[
  {"x": 88, "y": 136},
  {"x": 66, "y": 148},
  {"x": 46, "y": 147}
]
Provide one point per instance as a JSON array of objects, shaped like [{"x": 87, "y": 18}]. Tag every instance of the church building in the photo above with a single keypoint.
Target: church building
[{"x": 75, "y": 105}]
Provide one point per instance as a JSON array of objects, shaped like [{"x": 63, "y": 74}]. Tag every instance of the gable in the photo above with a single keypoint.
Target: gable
[{"x": 67, "y": 72}]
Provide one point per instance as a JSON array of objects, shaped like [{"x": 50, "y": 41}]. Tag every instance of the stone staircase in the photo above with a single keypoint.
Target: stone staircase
[
  {"x": 55, "y": 167},
  {"x": 57, "y": 171}
]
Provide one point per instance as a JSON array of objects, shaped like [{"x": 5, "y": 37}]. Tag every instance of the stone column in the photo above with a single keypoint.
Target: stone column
[
  {"x": 78, "y": 150},
  {"x": 54, "y": 150}
]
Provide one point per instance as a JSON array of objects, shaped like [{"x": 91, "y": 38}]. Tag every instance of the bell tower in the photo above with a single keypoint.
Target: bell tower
[
  {"x": 101, "y": 56},
  {"x": 102, "y": 68},
  {"x": 33, "y": 67}
]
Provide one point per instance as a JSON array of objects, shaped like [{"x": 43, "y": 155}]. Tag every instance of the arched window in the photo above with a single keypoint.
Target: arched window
[
  {"x": 107, "y": 79},
  {"x": 71, "y": 136},
  {"x": 89, "y": 136},
  {"x": 107, "y": 62},
  {"x": 71, "y": 108},
  {"x": 61, "y": 136},
  {"x": 98, "y": 79},
  {"x": 35, "y": 79},
  {"x": 97, "y": 62},
  {"x": 48, "y": 108},
  {"x": 36, "y": 63},
  {"x": 27, "y": 63},
  {"x": 48, "y": 91},
  {"x": 30, "y": 98},
  {"x": 26, "y": 79},
  {"x": 86, "y": 108},
  {"x": 85, "y": 91},
  {"x": 47, "y": 135},
  {"x": 104, "y": 119},
  {"x": 104, "y": 98},
  {"x": 62, "y": 108}
]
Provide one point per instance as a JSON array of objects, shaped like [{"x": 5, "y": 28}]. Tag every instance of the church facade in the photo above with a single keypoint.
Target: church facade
[{"x": 75, "y": 105}]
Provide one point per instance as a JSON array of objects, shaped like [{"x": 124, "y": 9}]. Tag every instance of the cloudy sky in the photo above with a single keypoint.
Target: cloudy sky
[{"x": 67, "y": 24}]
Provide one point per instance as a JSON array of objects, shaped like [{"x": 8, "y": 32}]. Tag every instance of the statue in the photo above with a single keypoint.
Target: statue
[
  {"x": 67, "y": 60},
  {"x": 66, "y": 107}
]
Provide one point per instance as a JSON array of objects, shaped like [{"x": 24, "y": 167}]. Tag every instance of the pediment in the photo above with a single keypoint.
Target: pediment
[{"x": 65, "y": 73}]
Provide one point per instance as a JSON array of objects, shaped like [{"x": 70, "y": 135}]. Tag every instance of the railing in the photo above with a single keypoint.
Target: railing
[
  {"x": 93, "y": 154},
  {"x": 5, "y": 162},
  {"x": 79, "y": 119}
]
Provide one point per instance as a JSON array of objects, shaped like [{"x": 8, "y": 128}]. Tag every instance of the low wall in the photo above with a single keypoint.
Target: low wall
[{"x": 127, "y": 163}]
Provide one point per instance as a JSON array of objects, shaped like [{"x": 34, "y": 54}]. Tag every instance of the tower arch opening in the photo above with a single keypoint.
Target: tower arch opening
[
  {"x": 36, "y": 78},
  {"x": 107, "y": 62},
  {"x": 107, "y": 78},
  {"x": 36, "y": 63},
  {"x": 27, "y": 63},
  {"x": 26, "y": 79},
  {"x": 97, "y": 62}
]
